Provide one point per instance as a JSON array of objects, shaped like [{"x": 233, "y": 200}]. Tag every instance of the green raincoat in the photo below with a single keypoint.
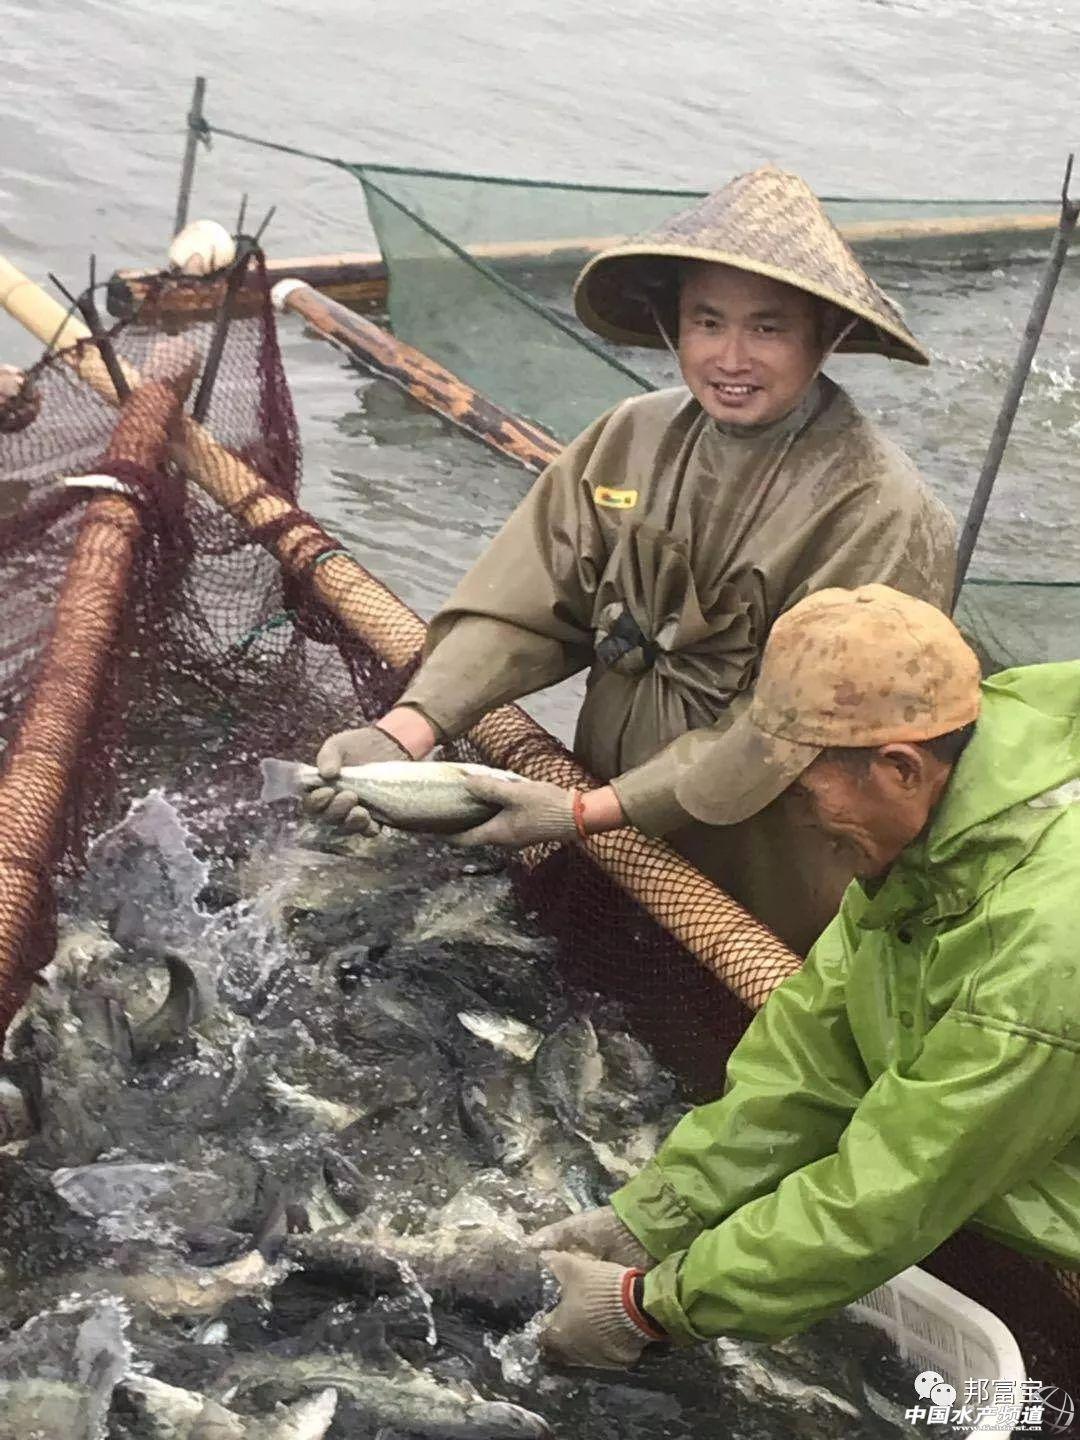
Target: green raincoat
[{"x": 920, "y": 1073}]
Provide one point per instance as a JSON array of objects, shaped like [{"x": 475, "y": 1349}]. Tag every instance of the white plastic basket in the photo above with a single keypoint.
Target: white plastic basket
[{"x": 937, "y": 1328}]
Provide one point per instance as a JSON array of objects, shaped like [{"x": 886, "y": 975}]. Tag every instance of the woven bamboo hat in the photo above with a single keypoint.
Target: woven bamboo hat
[{"x": 766, "y": 221}]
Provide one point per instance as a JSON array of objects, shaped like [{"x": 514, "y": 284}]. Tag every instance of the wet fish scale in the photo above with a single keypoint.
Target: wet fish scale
[
  {"x": 58, "y": 1372},
  {"x": 569, "y": 1070},
  {"x": 502, "y": 1116},
  {"x": 395, "y": 1395},
  {"x": 168, "y": 1412},
  {"x": 570, "y": 1123},
  {"x": 491, "y": 1275},
  {"x": 430, "y": 796}
]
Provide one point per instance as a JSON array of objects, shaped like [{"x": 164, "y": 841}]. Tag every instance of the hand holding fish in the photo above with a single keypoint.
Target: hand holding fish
[
  {"x": 367, "y": 745},
  {"x": 530, "y": 811},
  {"x": 598, "y": 1321},
  {"x": 599, "y": 1233}
]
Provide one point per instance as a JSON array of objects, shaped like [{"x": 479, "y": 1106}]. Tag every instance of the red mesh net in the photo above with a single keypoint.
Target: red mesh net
[
  {"x": 194, "y": 641},
  {"x": 53, "y": 705},
  {"x": 220, "y": 655}
]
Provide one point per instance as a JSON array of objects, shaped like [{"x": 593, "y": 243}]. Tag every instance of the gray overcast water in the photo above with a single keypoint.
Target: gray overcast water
[{"x": 877, "y": 97}]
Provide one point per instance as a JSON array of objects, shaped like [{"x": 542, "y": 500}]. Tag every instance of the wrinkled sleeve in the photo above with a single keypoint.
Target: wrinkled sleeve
[
  {"x": 794, "y": 1081},
  {"x": 993, "y": 1095},
  {"x": 904, "y": 538},
  {"x": 521, "y": 619}
]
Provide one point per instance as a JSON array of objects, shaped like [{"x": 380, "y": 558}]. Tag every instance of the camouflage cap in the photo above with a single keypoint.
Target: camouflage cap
[
  {"x": 768, "y": 222},
  {"x": 861, "y": 667}
]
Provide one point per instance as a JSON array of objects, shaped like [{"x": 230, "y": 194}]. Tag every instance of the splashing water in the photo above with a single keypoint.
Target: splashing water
[{"x": 327, "y": 1085}]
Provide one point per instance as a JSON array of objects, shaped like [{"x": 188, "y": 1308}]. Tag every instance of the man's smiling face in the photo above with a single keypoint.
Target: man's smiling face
[{"x": 749, "y": 346}]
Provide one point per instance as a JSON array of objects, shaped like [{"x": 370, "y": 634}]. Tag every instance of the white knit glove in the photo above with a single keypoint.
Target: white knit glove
[
  {"x": 591, "y": 1324},
  {"x": 599, "y": 1233},
  {"x": 530, "y": 811},
  {"x": 364, "y": 746}
]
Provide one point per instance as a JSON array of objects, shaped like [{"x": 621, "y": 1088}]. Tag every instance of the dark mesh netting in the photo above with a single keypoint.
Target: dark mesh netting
[
  {"x": 1039, "y": 1303},
  {"x": 223, "y": 624},
  {"x": 74, "y": 621},
  {"x": 687, "y": 963},
  {"x": 199, "y": 633},
  {"x": 669, "y": 997}
]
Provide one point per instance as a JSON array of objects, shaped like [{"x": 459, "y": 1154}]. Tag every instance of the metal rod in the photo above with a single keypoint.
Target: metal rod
[
  {"x": 88, "y": 310},
  {"x": 221, "y": 330},
  {"x": 1040, "y": 306},
  {"x": 256, "y": 239},
  {"x": 102, "y": 339},
  {"x": 195, "y": 132}
]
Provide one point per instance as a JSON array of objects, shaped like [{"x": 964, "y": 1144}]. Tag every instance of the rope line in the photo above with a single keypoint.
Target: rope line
[{"x": 526, "y": 182}]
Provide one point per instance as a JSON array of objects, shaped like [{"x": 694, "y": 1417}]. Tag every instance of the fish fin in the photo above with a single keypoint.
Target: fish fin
[
  {"x": 284, "y": 779},
  {"x": 185, "y": 1005},
  {"x": 307, "y": 1419},
  {"x": 104, "y": 1020},
  {"x": 25, "y": 1075}
]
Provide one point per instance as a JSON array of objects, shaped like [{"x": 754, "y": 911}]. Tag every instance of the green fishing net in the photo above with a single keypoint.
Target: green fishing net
[
  {"x": 502, "y": 321},
  {"x": 481, "y": 271},
  {"x": 1020, "y": 622}
]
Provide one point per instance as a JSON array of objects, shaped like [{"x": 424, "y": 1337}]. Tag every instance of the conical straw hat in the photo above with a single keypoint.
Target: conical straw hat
[{"x": 766, "y": 221}]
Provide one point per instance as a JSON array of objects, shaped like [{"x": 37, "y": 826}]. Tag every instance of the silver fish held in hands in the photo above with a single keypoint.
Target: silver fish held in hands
[{"x": 425, "y": 795}]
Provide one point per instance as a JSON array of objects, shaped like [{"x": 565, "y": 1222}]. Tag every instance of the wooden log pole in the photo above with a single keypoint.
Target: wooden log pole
[
  {"x": 187, "y": 170},
  {"x": 429, "y": 383},
  {"x": 360, "y": 278}
]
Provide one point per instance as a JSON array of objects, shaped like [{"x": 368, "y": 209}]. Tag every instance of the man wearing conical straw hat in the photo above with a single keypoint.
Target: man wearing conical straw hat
[{"x": 660, "y": 547}]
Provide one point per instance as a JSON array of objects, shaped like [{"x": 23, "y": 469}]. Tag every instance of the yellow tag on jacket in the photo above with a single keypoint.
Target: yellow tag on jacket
[{"x": 615, "y": 499}]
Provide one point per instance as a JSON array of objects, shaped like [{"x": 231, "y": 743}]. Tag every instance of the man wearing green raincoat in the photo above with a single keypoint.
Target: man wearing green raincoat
[
  {"x": 660, "y": 547},
  {"x": 922, "y": 1071}
]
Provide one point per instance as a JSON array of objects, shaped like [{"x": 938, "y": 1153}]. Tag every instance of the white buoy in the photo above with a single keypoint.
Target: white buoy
[{"x": 201, "y": 248}]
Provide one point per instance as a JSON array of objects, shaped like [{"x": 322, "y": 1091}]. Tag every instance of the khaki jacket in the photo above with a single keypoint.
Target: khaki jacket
[{"x": 657, "y": 551}]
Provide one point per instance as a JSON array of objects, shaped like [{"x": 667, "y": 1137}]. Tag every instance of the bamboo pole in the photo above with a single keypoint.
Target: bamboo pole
[
  {"x": 195, "y": 132},
  {"x": 1010, "y": 404},
  {"x": 36, "y": 784},
  {"x": 419, "y": 376},
  {"x": 724, "y": 937}
]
